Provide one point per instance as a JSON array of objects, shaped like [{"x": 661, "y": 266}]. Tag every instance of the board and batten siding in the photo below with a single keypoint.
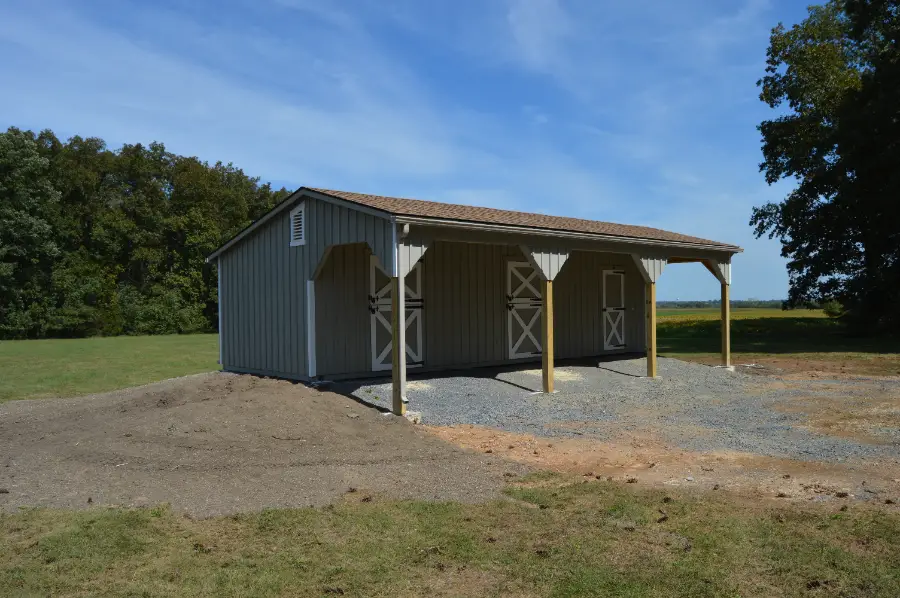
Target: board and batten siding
[
  {"x": 578, "y": 302},
  {"x": 343, "y": 324},
  {"x": 549, "y": 261},
  {"x": 465, "y": 303},
  {"x": 465, "y": 316},
  {"x": 264, "y": 285}
]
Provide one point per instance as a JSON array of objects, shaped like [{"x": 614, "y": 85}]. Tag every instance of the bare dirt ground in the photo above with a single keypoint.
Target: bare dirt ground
[
  {"x": 221, "y": 443},
  {"x": 803, "y": 366},
  {"x": 864, "y": 410}
]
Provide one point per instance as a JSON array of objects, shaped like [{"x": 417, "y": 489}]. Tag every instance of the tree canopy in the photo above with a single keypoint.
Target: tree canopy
[
  {"x": 95, "y": 241},
  {"x": 835, "y": 79}
]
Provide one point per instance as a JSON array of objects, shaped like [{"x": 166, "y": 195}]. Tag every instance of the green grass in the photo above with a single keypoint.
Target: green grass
[
  {"x": 562, "y": 538},
  {"x": 70, "y": 367},
  {"x": 765, "y": 334}
]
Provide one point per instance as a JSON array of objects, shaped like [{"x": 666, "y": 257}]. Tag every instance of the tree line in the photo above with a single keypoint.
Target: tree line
[{"x": 95, "y": 241}]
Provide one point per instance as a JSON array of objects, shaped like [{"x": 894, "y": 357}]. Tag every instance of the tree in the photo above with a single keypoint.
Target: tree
[
  {"x": 837, "y": 74},
  {"x": 27, "y": 245},
  {"x": 95, "y": 241}
]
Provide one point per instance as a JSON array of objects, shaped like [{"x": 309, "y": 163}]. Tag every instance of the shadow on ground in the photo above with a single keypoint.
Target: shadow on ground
[{"x": 361, "y": 389}]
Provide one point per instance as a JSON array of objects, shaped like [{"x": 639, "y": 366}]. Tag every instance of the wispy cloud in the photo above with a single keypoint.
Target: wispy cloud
[
  {"x": 630, "y": 112},
  {"x": 539, "y": 29}
]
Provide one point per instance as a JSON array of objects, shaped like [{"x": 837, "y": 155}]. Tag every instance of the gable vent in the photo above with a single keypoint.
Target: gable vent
[{"x": 298, "y": 225}]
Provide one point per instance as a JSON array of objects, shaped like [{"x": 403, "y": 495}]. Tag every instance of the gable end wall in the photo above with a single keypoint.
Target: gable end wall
[{"x": 263, "y": 285}]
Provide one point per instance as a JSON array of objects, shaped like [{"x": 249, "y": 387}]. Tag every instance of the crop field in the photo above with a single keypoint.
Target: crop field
[{"x": 739, "y": 313}]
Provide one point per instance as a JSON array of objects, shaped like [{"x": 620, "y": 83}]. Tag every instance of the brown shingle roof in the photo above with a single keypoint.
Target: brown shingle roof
[{"x": 431, "y": 209}]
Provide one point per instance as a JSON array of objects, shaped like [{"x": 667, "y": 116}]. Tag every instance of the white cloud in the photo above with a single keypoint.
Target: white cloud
[
  {"x": 92, "y": 80},
  {"x": 615, "y": 111}
]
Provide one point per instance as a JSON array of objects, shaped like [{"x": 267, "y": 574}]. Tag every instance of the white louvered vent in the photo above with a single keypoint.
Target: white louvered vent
[{"x": 298, "y": 225}]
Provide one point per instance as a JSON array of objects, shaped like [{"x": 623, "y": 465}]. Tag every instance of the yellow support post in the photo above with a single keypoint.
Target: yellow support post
[
  {"x": 651, "y": 329},
  {"x": 398, "y": 345},
  {"x": 547, "y": 335},
  {"x": 726, "y": 326}
]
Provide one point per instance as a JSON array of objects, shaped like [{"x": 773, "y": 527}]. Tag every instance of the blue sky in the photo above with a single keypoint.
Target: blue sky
[{"x": 642, "y": 112}]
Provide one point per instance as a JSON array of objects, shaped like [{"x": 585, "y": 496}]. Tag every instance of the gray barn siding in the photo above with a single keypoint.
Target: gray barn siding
[
  {"x": 578, "y": 296},
  {"x": 410, "y": 252},
  {"x": 342, "y": 315},
  {"x": 653, "y": 266},
  {"x": 465, "y": 319},
  {"x": 264, "y": 286},
  {"x": 465, "y": 305},
  {"x": 263, "y": 325},
  {"x": 548, "y": 261}
]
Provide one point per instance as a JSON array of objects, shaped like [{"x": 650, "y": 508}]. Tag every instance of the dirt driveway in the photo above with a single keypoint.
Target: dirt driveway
[{"x": 221, "y": 443}]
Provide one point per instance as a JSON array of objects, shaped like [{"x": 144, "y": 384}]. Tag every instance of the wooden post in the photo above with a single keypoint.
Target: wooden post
[
  {"x": 651, "y": 329},
  {"x": 398, "y": 348},
  {"x": 726, "y": 326},
  {"x": 547, "y": 335}
]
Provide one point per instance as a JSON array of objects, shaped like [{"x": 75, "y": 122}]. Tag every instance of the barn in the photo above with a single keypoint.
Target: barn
[{"x": 310, "y": 291}]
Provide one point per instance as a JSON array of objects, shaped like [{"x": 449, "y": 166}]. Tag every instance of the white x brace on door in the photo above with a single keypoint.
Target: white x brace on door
[
  {"x": 613, "y": 309},
  {"x": 380, "y": 308},
  {"x": 524, "y": 305}
]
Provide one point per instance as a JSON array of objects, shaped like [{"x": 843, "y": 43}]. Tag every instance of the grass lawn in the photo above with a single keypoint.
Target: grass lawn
[
  {"x": 61, "y": 368},
  {"x": 70, "y": 367},
  {"x": 770, "y": 335},
  {"x": 559, "y": 537}
]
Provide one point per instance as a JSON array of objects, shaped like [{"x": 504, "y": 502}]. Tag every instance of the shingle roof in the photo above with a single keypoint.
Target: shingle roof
[{"x": 400, "y": 206}]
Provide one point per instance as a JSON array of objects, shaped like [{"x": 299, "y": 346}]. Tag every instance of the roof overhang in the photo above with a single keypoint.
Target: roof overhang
[
  {"x": 465, "y": 225},
  {"x": 562, "y": 234}
]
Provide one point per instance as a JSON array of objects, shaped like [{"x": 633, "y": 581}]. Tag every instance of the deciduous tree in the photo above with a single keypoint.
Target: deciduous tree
[{"x": 835, "y": 77}]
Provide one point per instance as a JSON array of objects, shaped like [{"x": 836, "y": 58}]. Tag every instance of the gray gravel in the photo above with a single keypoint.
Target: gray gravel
[{"x": 693, "y": 406}]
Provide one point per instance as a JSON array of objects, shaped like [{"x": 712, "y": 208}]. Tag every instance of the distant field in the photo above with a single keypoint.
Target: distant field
[
  {"x": 738, "y": 313},
  {"x": 70, "y": 367},
  {"x": 794, "y": 340}
]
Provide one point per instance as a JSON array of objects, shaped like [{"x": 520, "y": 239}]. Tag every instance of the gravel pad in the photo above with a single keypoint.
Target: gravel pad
[{"x": 694, "y": 406}]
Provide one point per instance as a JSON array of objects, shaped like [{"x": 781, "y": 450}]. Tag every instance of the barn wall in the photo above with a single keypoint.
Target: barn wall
[
  {"x": 262, "y": 322},
  {"x": 465, "y": 304},
  {"x": 578, "y": 296},
  {"x": 264, "y": 285},
  {"x": 264, "y": 316},
  {"x": 342, "y": 314}
]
